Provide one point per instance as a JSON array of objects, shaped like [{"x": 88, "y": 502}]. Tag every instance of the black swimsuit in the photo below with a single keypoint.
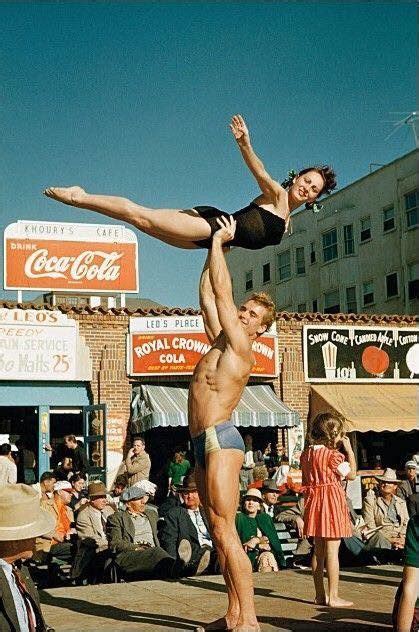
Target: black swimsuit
[{"x": 256, "y": 227}]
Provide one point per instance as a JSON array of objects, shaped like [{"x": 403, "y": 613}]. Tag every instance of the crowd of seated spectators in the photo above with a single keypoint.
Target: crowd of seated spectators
[{"x": 103, "y": 535}]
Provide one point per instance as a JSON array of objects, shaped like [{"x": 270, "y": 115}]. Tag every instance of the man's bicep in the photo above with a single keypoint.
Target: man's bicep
[
  {"x": 234, "y": 333},
  {"x": 211, "y": 322}
]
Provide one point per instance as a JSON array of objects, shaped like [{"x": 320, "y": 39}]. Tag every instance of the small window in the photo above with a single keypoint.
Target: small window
[
  {"x": 351, "y": 306},
  {"x": 365, "y": 229},
  {"x": 331, "y": 302},
  {"x": 392, "y": 285},
  {"x": 388, "y": 219},
  {"x": 368, "y": 293},
  {"x": 330, "y": 245},
  {"x": 284, "y": 265},
  {"x": 249, "y": 280},
  {"x": 411, "y": 206},
  {"x": 266, "y": 273},
  {"x": 315, "y": 305},
  {"x": 312, "y": 252},
  {"x": 348, "y": 237},
  {"x": 302, "y": 307},
  {"x": 300, "y": 260},
  {"x": 413, "y": 281}
]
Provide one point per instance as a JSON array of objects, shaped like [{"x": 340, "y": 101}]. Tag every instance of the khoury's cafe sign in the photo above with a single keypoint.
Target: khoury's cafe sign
[
  {"x": 361, "y": 354},
  {"x": 70, "y": 257},
  {"x": 174, "y": 345}
]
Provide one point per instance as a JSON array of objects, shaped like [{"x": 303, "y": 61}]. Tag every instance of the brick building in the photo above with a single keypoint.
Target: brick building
[{"x": 44, "y": 409}]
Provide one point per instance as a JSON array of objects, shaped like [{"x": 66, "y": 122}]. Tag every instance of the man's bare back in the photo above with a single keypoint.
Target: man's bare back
[{"x": 217, "y": 385}]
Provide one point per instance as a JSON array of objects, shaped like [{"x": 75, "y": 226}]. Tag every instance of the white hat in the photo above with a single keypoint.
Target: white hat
[
  {"x": 66, "y": 485},
  {"x": 254, "y": 493},
  {"x": 389, "y": 476},
  {"x": 21, "y": 516}
]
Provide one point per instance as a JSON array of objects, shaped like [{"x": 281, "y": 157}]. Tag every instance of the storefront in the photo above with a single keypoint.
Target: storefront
[{"x": 369, "y": 375}]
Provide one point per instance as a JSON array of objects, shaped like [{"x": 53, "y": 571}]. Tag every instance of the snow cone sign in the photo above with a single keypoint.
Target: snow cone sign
[{"x": 70, "y": 257}]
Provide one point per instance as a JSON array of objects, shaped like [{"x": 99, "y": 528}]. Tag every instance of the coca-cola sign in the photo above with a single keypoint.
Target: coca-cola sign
[{"x": 72, "y": 257}]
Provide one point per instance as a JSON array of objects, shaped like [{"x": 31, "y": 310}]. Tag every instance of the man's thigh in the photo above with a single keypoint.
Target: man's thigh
[
  {"x": 222, "y": 482},
  {"x": 141, "y": 561}
]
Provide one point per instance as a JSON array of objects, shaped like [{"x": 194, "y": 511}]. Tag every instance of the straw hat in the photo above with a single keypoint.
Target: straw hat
[
  {"x": 21, "y": 516},
  {"x": 253, "y": 494},
  {"x": 389, "y": 476}
]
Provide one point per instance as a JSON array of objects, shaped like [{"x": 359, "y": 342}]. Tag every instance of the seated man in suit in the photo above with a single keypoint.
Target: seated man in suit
[
  {"x": 132, "y": 534},
  {"x": 21, "y": 521},
  {"x": 270, "y": 495},
  {"x": 188, "y": 522},
  {"x": 92, "y": 550}
]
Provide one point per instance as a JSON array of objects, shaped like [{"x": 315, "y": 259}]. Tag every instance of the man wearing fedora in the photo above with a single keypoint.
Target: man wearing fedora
[
  {"x": 132, "y": 535},
  {"x": 386, "y": 513},
  {"x": 21, "y": 521},
  {"x": 408, "y": 486},
  {"x": 270, "y": 495},
  {"x": 92, "y": 546},
  {"x": 188, "y": 522}
]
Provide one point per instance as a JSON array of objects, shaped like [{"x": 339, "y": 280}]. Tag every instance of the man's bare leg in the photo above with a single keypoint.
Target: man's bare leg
[
  {"x": 165, "y": 224},
  {"x": 230, "y": 619},
  {"x": 222, "y": 483}
]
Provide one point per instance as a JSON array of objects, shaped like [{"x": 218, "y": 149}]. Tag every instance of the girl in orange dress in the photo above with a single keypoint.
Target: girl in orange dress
[{"x": 326, "y": 516}]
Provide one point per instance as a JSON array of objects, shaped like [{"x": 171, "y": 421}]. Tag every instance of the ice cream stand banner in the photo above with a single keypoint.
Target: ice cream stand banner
[
  {"x": 361, "y": 354},
  {"x": 174, "y": 345},
  {"x": 70, "y": 257}
]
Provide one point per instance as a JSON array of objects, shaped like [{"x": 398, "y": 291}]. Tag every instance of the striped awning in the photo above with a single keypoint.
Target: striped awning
[{"x": 162, "y": 406}]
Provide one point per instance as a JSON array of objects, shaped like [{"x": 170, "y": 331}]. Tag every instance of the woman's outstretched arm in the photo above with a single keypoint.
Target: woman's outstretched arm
[{"x": 268, "y": 185}]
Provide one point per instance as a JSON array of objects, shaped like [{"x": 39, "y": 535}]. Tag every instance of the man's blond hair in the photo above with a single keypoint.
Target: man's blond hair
[{"x": 265, "y": 300}]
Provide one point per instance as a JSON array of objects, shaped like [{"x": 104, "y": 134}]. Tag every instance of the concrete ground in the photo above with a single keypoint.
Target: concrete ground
[{"x": 283, "y": 603}]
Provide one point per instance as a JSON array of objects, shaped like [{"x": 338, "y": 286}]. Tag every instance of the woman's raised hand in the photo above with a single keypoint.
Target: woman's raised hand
[{"x": 239, "y": 129}]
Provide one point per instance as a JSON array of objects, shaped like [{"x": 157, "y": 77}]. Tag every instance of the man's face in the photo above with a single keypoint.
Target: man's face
[
  {"x": 138, "y": 506},
  {"x": 411, "y": 473},
  {"x": 251, "y": 315},
  {"x": 65, "y": 496},
  {"x": 69, "y": 444},
  {"x": 191, "y": 499},
  {"x": 270, "y": 498},
  {"x": 49, "y": 484},
  {"x": 99, "y": 502},
  {"x": 138, "y": 446},
  {"x": 388, "y": 488},
  {"x": 67, "y": 463},
  {"x": 118, "y": 489}
]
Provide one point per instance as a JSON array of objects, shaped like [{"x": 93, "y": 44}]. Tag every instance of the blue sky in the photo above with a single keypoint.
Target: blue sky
[{"x": 134, "y": 99}]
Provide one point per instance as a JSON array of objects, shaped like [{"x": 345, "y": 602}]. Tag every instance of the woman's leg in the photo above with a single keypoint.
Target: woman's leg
[
  {"x": 165, "y": 224},
  {"x": 332, "y": 569},
  {"x": 317, "y": 567}
]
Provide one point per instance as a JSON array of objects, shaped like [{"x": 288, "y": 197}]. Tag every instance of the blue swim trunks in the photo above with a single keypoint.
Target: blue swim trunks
[{"x": 224, "y": 436}]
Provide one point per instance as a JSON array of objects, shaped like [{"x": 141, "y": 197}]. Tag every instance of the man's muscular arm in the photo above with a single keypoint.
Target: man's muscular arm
[
  {"x": 207, "y": 303},
  {"x": 222, "y": 288}
]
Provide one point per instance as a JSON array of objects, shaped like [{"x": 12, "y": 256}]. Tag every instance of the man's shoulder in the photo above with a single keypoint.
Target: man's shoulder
[{"x": 117, "y": 516}]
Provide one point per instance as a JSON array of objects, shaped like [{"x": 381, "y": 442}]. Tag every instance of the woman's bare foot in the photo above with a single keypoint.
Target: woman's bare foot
[
  {"x": 339, "y": 603},
  {"x": 66, "y": 195}
]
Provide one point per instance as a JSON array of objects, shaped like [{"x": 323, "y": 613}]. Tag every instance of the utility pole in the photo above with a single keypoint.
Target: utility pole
[{"x": 411, "y": 120}]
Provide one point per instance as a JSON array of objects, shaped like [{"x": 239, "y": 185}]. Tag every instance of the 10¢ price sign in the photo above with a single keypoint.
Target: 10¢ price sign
[{"x": 41, "y": 345}]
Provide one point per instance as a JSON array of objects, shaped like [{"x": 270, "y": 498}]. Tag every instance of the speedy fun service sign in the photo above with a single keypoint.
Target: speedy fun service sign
[
  {"x": 174, "y": 345},
  {"x": 70, "y": 257}
]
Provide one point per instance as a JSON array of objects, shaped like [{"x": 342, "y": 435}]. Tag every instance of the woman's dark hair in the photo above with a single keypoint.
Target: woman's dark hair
[
  {"x": 325, "y": 427},
  {"x": 326, "y": 173},
  {"x": 76, "y": 478}
]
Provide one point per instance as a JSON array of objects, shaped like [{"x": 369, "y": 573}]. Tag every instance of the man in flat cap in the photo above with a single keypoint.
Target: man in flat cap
[
  {"x": 408, "y": 486},
  {"x": 21, "y": 521},
  {"x": 132, "y": 534}
]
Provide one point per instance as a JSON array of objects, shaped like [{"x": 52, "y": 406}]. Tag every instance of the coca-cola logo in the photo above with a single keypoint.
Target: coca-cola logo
[{"x": 89, "y": 265}]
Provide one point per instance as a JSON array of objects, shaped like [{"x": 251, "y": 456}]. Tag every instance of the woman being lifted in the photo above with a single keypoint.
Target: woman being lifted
[{"x": 261, "y": 223}]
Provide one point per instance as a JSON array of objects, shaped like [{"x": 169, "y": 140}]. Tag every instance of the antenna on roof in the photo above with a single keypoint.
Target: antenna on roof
[{"x": 410, "y": 120}]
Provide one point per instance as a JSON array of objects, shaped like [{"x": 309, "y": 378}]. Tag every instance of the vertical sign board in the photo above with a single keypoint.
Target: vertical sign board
[
  {"x": 173, "y": 345},
  {"x": 70, "y": 257}
]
